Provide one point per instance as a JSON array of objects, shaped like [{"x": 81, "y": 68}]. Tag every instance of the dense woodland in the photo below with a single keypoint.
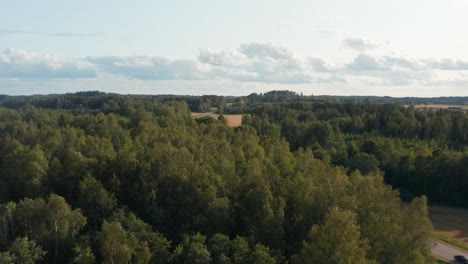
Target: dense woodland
[{"x": 101, "y": 178}]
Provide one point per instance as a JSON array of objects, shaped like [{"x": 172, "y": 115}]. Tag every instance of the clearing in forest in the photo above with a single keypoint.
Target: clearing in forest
[
  {"x": 450, "y": 222},
  {"x": 231, "y": 120},
  {"x": 441, "y": 106}
]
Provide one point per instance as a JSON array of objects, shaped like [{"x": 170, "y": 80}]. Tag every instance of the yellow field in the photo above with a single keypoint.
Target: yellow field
[{"x": 231, "y": 120}]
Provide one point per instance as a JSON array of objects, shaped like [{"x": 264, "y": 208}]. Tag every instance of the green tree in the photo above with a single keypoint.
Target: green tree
[
  {"x": 240, "y": 250},
  {"x": 365, "y": 163},
  {"x": 95, "y": 200},
  {"x": 6, "y": 258},
  {"x": 192, "y": 249},
  {"x": 219, "y": 247},
  {"x": 63, "y": 223},
  {"x": 415, "y": 243},
  {"x": 23, "y": 251},
  {"x": 25, "y": 169},
  {"x": 51, "y": 222},
  {"x": 261, "y": 255},
  {"x": 148, "y": 245},
  {"x": 83, "y": 255},
  {"x": 7, "y": 222},
  {"x": 337, "y": 241},
  {"x": 113, "y": 244}
]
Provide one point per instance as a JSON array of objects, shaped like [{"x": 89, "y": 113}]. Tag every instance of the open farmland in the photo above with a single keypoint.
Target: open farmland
[
  {"x": 231, "y": 120},
  {"x": 450, "y": 222},
  {"x": 441, "y": 106}
]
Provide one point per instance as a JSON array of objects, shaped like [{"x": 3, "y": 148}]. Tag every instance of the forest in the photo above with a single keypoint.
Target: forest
[{"x": 91, "y": 177}]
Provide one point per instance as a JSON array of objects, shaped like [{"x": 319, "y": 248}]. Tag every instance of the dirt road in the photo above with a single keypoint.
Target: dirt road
[{"x": 446, "y": 252}]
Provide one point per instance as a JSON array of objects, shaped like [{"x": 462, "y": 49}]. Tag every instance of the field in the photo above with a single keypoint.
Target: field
[
  {"x": 450, "y": 222},
  {"x": 440, "y": 106},
  {"x": 232, "y": 120}
]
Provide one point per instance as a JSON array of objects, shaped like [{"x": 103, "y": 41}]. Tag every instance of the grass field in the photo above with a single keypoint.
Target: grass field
[
  {"x": 440, "y": 106},
  {"x": 450, "y": 224},
  {"x": 231, "y": 120}
]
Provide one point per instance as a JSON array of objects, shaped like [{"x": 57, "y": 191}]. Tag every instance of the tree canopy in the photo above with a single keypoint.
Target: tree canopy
[{"x": 101, "y": 178}]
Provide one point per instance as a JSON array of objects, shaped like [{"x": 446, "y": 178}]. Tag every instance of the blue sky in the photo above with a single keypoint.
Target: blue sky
[{"x": 361, "y": 47}]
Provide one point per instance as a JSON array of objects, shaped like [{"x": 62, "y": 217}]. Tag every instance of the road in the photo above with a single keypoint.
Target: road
[{"x": 445, "y": 252}]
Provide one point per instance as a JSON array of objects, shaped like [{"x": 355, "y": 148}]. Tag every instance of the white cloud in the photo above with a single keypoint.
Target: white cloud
[
  {"x": 388, "y": 69},
  {"x": 252, "y": 62},
  {"x": 16, "y": 63},
  {"x": 265, "y": 64},
  {"x": 449, "y": 82},
  {"x": 230, "y": 59},
  {"x": 403, "y": 62},
  {"x": 151, "y": 68},
  {"x": 258, "y": 62},
  {"x": 361, "y": 44},
  {"x": 402, "y": 70},
  {"x": 448, "y": 64},
  {"x": 365, "y": 62},
  {"x": 267, "y": 50},
  {"x": 368, "y": 62},
  {"x": 320, "y": 65},
  {"x": 273, "y": 63}
]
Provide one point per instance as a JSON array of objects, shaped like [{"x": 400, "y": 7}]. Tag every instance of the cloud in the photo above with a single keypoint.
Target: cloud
[
  {"x": 453, "y": 79},
  {"x": 360, "y": 44},
  {"x": 448, "y": 64},
  {"x": 151, "y": 68},
  {"x": 273, "y": 63},
  {"x": 230, "y": 59},
  {"x": 388, "y": 69},
  {"x": 365, "y": 62},
  {"x": 403, "y": 62},
  {"x": 402, "y": 70},
  {"x": 450, "y": 82},
  {"x": 16, "y": 63},
  {"x": 251, "y": 62},
  {"x": 258, "y": 62},
  {"x": 74, "y": 34},
  {"x": 333, "y": 79},
  {"x": 368, "y": 62},
  {"x": 250, "y": 65},
  {"x": 267, "y": 50},
  {"x": 320, "y": 65}
]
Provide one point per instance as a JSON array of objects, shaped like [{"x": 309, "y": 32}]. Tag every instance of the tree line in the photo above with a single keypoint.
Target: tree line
[{"x": 420, "y": 152}]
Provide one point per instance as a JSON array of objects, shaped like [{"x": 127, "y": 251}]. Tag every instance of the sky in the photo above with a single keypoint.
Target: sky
[{"x": 361, "y": 47}]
